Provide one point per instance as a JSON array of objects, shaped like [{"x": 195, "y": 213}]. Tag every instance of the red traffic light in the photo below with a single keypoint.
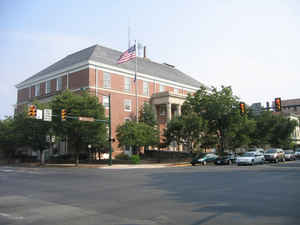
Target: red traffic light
[{"x": 277, "y": 104}]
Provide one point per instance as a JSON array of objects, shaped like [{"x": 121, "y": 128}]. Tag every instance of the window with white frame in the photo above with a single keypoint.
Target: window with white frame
[
  {"x": 127, "y": 84},
  {"x": 145, "y": 88},
  {"x": 127, "y": 119},
  {"x": 127, "y": 105},
  {"x": 106, "y": 80},
  {"x": 59, "y": 83},
  {"x": 48, "y": 87},
  {"x": 176, "y": 91},
  {"x": 161, "y": 88},
  {"x": 37, "y": 90},
  {"x": 105, "y": 101}
]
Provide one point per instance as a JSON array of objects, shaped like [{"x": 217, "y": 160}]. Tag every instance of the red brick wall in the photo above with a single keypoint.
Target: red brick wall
[{"x": 79, "y": 79}]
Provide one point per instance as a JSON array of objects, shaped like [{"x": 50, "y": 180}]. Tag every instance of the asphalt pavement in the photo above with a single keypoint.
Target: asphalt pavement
[{"x": 261, "y": 194}]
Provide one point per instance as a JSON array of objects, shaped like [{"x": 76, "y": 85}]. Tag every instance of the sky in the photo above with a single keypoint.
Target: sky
[{"x": 250, "y": 45}]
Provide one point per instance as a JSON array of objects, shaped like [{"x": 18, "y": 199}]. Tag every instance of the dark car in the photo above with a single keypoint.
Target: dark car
[
  {"x": 203, "y": 159},
  {"x": 225, "y": 160}
]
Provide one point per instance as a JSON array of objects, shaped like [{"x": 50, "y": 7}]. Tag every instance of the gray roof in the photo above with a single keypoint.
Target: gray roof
[{"x": 110, "y": 57}]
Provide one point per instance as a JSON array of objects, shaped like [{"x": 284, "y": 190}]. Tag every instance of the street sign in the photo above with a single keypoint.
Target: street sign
[
  {"x": 48, "y": 115},
  {"x": 88, "y": 119},
  {"x": 39, "y": 114}
]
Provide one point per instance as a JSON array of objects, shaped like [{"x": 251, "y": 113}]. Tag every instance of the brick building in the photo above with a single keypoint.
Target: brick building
[{"x": 96, "y": 69}]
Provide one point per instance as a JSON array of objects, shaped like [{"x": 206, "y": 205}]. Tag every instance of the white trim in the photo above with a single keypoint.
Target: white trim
[
  {"x": 115, "y": 91},
  {"x": 107, "y": 68},
  {"x": 146, "y": 77}
]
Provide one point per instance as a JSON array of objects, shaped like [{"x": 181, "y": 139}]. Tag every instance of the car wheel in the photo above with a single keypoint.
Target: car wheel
[
  {"x": 204, "y": 163},
  {"x": 193, "y": 164}
]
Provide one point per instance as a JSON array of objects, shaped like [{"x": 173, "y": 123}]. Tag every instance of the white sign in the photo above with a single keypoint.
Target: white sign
[
  {"x": 48, "y": 115},
  {"x": 39, "y": 114}
]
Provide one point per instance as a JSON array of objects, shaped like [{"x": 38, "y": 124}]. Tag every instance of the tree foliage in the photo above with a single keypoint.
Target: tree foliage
[
  {"x": 137, "y": 135},
  {"x": 80, "y": 133},
  {"x": 147, "y": 115}
]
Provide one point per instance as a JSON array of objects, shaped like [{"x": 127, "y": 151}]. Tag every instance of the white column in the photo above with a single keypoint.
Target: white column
[{"x": 179, "y": 110}]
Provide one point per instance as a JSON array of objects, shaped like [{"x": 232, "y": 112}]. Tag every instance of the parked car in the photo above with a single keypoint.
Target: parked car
[
  {"x": 297, "y": 153},
  {"x": 289, "y": 155},
  {"x": 274, "y": 155},
  {"x": 250, "y": 158},
  {"x": 261, "y": 150},
  {"x": 225, "y": 159},
  {"x": 204, "y": 159}
]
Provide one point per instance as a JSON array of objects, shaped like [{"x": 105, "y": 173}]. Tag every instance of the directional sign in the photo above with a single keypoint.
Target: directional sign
[
  {"x": 48, "y": 115},
  {"x": 39, "y": 114},
  {"x": 88, "y": 119}
]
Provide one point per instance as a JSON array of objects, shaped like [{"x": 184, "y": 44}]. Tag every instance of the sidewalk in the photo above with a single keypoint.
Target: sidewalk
[{"x": 103, "y": 166}]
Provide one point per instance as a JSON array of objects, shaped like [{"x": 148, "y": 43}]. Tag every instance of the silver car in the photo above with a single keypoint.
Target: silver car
[
  {"x": 289, "y": 155},
  {"x": 297, "y": 153},
  {"x": 250, "y": 158}
]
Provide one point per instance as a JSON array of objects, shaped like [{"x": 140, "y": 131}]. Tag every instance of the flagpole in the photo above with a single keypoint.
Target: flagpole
[{"x": 136, "y": 83}]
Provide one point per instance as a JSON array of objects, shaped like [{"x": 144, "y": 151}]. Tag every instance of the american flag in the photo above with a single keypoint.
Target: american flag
[{"x": 126, "y": 56}]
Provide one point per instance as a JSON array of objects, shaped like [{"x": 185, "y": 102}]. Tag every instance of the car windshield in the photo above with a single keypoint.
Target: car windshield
[
  {"x": 271, "y": 151},
  {"x": 248, "y": 154},
  {"x": 289, "y": 152}
]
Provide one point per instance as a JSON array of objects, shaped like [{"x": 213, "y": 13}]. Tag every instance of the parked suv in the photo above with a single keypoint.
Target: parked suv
[{"x": 274, "y": 155}]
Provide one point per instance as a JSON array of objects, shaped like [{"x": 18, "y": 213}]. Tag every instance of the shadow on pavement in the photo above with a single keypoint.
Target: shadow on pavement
[{"x": 249, "y": 194}]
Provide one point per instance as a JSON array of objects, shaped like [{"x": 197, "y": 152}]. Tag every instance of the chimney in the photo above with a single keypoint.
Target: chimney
[{"x": 145, "y": 52}]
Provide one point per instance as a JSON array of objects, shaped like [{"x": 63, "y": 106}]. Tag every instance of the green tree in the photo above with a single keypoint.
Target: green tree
[
  {"x": 220, "y": 109},
  {"x": 137, "y": 135},
  {"x": 79, "y": 133},
  {"x": 189, "y": 130},
  {"x": 147, "y": 115},
  {"x": 9, "y": 142}
]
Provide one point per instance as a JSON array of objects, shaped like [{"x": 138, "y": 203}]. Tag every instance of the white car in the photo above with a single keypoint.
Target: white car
[
  {"x": 250, "y": 158},
  {"x": 297, "y": 153}
]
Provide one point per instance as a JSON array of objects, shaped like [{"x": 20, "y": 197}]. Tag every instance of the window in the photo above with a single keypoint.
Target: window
[
  {"x": 48, "y": 87},
  {"x": 37, "y": 90},
  {"x": 127, "y": 105},
  {"x": 161, "y": 88},
  {"x": 127, "y": 119},
  {"x": 127, "y": 84},
  {"x": 145, "y": 88},
  {"x": 162, "y": 110},
  {"x": 176, "y": 91},
  {"x": 105, "y": 101},
  {"x": 59, "y": 84},
  {"x": 106, "y": 80}
]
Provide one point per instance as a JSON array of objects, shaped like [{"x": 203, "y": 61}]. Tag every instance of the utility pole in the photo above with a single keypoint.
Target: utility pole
[{"x": 109, "y": 124}]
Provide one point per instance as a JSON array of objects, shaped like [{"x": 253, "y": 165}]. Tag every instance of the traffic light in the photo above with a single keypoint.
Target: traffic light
[
  {"x": 32, "y": 111},
  {"x": 63, "y": 114},
  {"x": 242, "y": 108},
  {"x": 277, "y": 104}
]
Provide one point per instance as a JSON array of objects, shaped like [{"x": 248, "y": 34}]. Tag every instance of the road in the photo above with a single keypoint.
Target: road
[{"x": 262, "y": 194}]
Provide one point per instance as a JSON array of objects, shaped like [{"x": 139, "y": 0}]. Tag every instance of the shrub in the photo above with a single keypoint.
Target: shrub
[
  {"x": 122, "y": 156},
  {"x": 135, "y": 159}
]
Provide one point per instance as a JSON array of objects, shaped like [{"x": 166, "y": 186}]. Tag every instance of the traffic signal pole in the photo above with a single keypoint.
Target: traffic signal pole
[{"x": 109, "y": 139}]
